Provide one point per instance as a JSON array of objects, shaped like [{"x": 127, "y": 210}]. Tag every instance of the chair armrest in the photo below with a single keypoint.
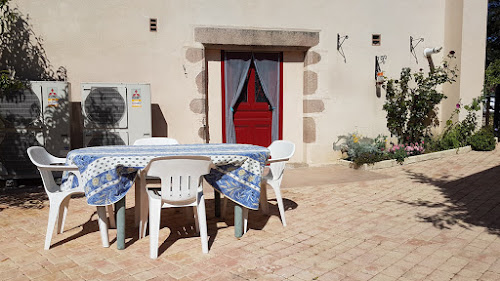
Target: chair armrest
[
  {"x": 270, "y": 161},
  {"x": 58, "y": 167},
  {"x": 59, "y": 160}
]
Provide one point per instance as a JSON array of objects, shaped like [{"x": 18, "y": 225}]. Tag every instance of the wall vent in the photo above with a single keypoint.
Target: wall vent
[
  {"x": 152, "y": 24},
  {"x": 376, "y": 39}
]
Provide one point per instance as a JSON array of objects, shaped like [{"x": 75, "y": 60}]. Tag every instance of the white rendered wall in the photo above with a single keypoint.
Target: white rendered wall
[
  {"x": 473, "y": 45},
  {"x": 110, "y": 41}
]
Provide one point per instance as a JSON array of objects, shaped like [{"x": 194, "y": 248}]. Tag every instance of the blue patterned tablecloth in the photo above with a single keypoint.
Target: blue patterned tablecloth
[{"x": 109, "y": 171}]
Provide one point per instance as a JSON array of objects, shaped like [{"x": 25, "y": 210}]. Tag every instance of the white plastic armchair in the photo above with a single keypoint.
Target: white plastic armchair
[
  {"x": 281, "y": 152},
  {"x": 181, "y": 186},
  {"x": 140, "y": 193},
  {"x": 59, "y": 195}
]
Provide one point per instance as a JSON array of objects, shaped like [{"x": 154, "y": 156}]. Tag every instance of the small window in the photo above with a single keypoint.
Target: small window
[
  {"x": 376, "y": 38},
  {"x": 152, "y": 24}
]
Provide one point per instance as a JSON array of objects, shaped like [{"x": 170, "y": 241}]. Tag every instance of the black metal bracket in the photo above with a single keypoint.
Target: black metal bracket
[
  {"x": 412, "y": 47},
  {"x": 340, "y": 43}
]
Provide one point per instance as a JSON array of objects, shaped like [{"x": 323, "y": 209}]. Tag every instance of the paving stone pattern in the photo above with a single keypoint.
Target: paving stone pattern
[{"x": 433, "y": 220}]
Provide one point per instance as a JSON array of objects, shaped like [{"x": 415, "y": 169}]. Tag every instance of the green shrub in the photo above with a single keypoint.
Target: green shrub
[
  {"x": 355, "y": 145},
  {"x": 411, "y": 100},
  {"x": 483, "y": 140},
  {"x": 362, "y": 150},
  {"x": 432, "y": 144},
  {"x": 370, "y": 158},
  {"x": 458, "y": 133},
  {"x": 451, "y": 139}
]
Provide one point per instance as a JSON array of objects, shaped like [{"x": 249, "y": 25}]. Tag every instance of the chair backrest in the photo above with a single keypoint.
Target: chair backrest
[
  {"x": 155, "y": 141},
  {"x": 180, "y": 176},
  {"x": 41, "y": 158},
  {"x": 280, "y": 149}
]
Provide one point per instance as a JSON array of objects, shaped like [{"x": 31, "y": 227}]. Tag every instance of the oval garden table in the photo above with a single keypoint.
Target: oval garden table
[{"x": 109, "y": 172}]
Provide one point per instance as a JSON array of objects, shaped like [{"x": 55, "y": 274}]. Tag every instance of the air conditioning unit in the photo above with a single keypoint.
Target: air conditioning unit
[
  {"x": 39, "y": 115},
  {"x": 115, "y": 113},
  {"x": 105, "y": 137}
]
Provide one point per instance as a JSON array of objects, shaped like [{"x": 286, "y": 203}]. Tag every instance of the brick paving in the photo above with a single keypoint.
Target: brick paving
[{"x": 433, "y": 220}]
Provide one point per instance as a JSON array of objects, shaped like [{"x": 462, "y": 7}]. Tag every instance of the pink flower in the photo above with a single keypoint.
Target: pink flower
[{"x": 458, "y": 106}]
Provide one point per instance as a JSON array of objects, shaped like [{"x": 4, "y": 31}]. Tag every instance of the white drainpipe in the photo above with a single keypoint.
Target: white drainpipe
[{"x": 428, "y": 52}]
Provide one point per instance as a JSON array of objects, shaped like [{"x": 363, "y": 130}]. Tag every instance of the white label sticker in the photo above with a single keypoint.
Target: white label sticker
[
  {"x": 53, "y": 98},
  {"x": 136, "y": 98}
]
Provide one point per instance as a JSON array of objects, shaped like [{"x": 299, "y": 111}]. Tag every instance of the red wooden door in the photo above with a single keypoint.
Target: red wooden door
[{"x": 253, "y": 114}]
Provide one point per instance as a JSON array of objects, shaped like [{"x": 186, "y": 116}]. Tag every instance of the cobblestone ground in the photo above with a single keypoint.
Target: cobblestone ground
[{"x": 433, "y": 220}]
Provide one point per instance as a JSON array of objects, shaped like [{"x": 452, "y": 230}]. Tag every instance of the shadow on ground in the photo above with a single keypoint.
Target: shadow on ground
[
  {"x": 181, "y": 225},
  {"x": 91, "y": 225},
  {"x": 470, "y": 201},
  {"x": 28, "y": 195},
  {"x": 257, "y": 219},
  {"x": 179, "y": 221}
]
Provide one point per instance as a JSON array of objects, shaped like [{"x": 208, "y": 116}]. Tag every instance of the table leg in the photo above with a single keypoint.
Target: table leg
[
  {"x": 120, "y": 223},
  {"x": 137, "y": 189},
  {"x": 217, "y": 203},
  {"x": 238, "y": 221}
]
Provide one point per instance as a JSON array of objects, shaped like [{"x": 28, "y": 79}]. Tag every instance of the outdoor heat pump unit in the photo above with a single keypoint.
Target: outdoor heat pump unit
[
  {"x": 39, "y": 115},
  {"x": 115, "y": 113}
]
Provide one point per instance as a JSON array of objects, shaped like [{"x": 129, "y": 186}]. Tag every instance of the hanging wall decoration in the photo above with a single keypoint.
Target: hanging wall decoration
[
  {"x": 340, "y": 43},
  {"x": 413, "y": 43},
  {"x": 379, "y": 74}
]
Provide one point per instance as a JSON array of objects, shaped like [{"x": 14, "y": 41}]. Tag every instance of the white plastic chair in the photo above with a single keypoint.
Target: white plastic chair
[
  {"x": 155, "y": 141},
  {"x": 59, "y": 195},
  {"x": 281, "y": 152},
  {"x": 181, "y": 186},
  {"x": 139, "y": 191}
]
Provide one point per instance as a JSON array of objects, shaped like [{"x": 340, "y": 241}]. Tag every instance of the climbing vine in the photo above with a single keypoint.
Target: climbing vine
[{"x": 411, "y": 100}]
